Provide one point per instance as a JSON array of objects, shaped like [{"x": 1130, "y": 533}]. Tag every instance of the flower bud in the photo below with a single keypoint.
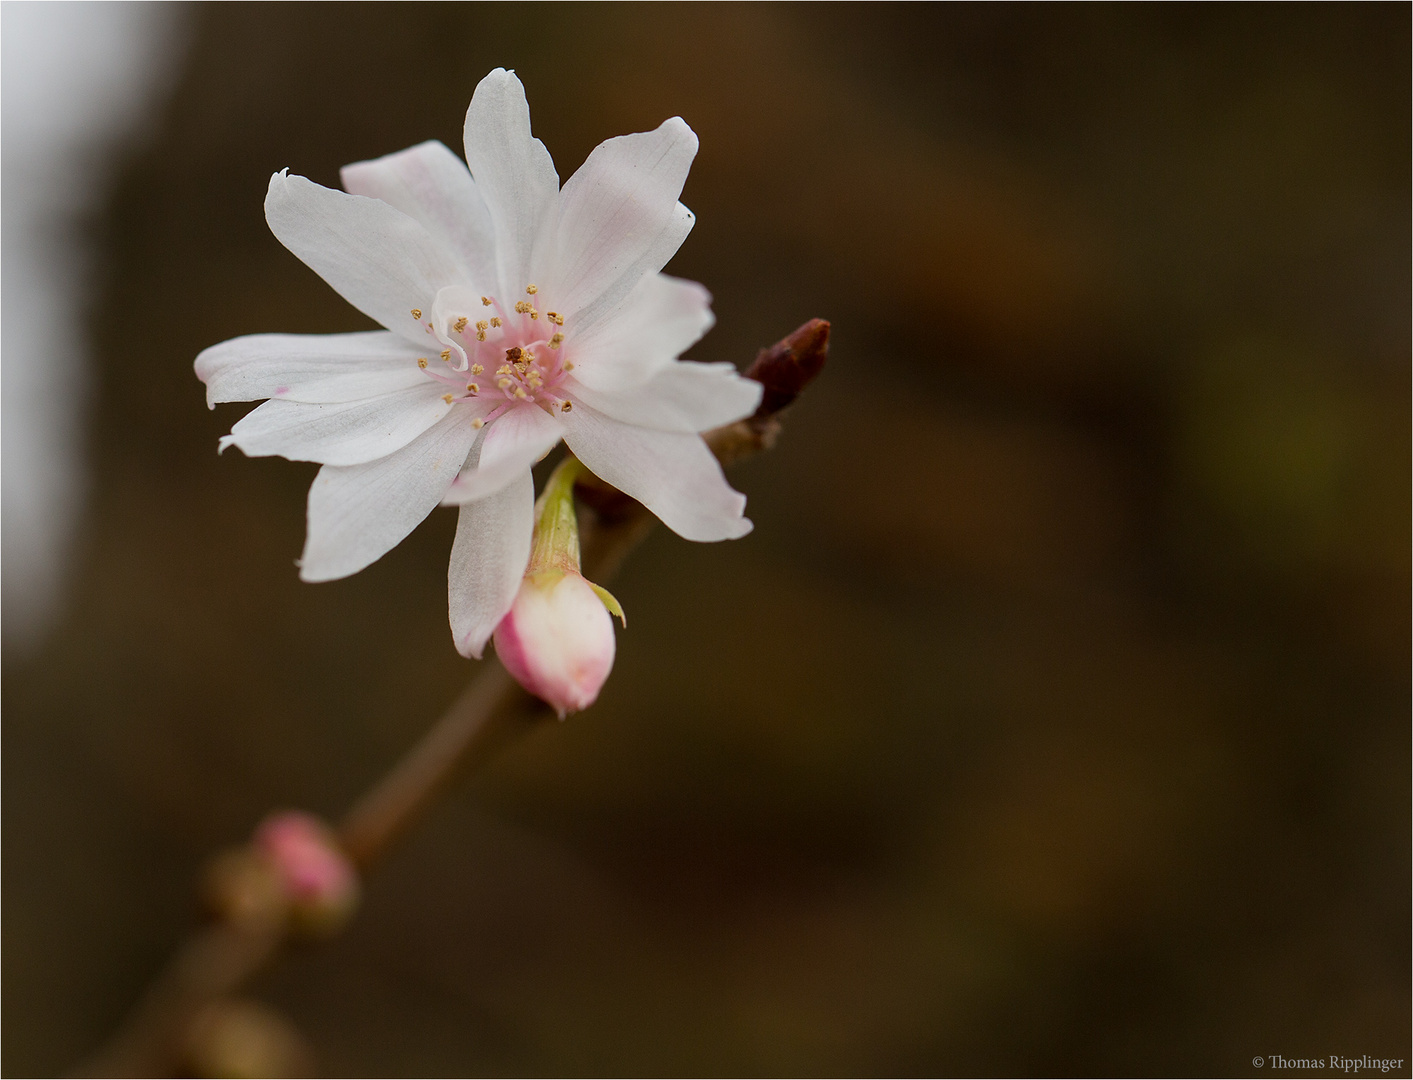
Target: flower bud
[
  {"x": 557, "y": 639},
  {"x": 319, "y": 883},
  {"x": 244, "y": 1038}
]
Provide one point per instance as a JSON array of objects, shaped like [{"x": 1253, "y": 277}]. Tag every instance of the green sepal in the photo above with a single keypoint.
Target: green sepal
[{"x": 610, "y": 601}]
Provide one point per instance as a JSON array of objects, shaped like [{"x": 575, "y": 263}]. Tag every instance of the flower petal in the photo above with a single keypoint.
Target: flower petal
[
  {"x": 488, "y": 560},
  {"x": 619, "y": 219},
  {"x": 513, "y": 443},
  {"x": 376, "y": 257},
  {"x": 654, "y": 324},
  {"x": 358, "y": 513},
  {"x": 514, "y": 173},
  {"x": 673, "y": 474},
  {"x": 684, "y": 396},
  {"x": 343, "y": 432},
  {"x": 308, "y": 367},
  {"x": 430, "y": 184}
]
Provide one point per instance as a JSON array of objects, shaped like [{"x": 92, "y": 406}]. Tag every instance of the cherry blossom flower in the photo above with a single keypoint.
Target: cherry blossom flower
[{"x": 517, "y": 313}]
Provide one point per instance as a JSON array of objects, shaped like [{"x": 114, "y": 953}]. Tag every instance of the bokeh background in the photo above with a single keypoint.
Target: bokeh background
[{"x": 1053, "y": 720}]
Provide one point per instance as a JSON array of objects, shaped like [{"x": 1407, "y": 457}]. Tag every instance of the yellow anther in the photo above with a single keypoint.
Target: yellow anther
[
  {"x": 555, "y": 317},
  {"x": 521, "y": 307},
  {"x": 556, "y": 341},
  {"x": 486, "y": 300},
  {"x": 565, "y": 407},
  {"x": 532, "y": 289},
  {"x": 520, "y": 393},
  {"x": 569, "y": 365},
  {"x": 473, "y": 388},
  {"x": 476, "y": 369},
  {"x": 504, "y": 384},
  {"x": 480, "y": 335},
  {"x": 416, "y": 313},
  {"x": 504, "y": 369},
  {"x": 422, "y": 362},
  {"x": 520, "y": 367},
  {"x": 446, "y": 398},
  {"x": 482, "y": 324},
  {"x": 495, "y": 320},
  {"x": 460, "y": 324},
  {"x": 478, "y": 423},
  {"x": 446, "y": 354}
]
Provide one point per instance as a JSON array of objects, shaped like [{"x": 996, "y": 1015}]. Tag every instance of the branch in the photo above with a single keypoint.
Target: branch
[{"x": 491, "y": 713}]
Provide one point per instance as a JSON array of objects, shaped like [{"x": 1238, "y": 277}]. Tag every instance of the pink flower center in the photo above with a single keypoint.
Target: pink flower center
[{"x": 505, "y": 356}]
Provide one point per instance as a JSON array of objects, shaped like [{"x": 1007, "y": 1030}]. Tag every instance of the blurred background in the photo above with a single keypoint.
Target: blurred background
[{"x": 1053, "y": 720}]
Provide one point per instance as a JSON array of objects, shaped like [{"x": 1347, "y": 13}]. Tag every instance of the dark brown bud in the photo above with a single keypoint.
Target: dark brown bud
[{"x": 789, "y": 365}]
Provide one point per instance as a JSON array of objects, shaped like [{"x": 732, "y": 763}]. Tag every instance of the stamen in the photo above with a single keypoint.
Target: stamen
[
  {"x": 569, "y": 365},
  {"x": 417, "y": 313},
  {"x": 532, "y": 289},
  {"x": 495, "y": 320},
  {"x": 478, "y": 423},
  {"x": 486, "y": 300},
  {"x": 473, "y": 388},
  {"x": 513, "y": 353},
  {"x": 446, "y": 398},
  {"x": 476, "y": 369},
  {"x": 555, "y": 317},
  {"x": 446, "y": 355},
  {"x": 504, "y": 384},
  {"x": 556, "y": 341},
  {"x": 566, "y": 406},
  {"x": 520, "y": 393},
  {"x": 422, "y": 362},
  {"x": 460, "y": 324}
]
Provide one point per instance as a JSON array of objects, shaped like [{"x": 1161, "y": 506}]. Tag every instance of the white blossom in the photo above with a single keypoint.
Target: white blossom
[{"x": 517, "y": 313}]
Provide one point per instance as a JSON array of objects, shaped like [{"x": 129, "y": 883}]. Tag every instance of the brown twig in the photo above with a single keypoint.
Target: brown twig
[{"x": 493, "y": 712}]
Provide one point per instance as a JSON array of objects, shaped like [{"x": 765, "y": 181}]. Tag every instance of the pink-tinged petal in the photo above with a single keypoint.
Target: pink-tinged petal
[
  {"x": 343, "y": 432},
  {"x": 431, "y": 185},
  {"x": 683, "y": 396},
  {"x": 514, "y": 442},
  {"x": 488, "y": 559},
  {"x": 358, "y": 513},
  {"x": 619, "y": 219},
  {"x": 376, "y": 257},
  {"x": 308, "y": 367},
  {"x": 513, "y": 172},
  {"x": 673, "y": 474},
  {"x": 654, "y": 324}
]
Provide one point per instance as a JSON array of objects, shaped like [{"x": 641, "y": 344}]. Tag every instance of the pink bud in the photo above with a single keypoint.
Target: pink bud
[
  {"x": 314, "y": 873},
  {"x": 557, "y": 639}
]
